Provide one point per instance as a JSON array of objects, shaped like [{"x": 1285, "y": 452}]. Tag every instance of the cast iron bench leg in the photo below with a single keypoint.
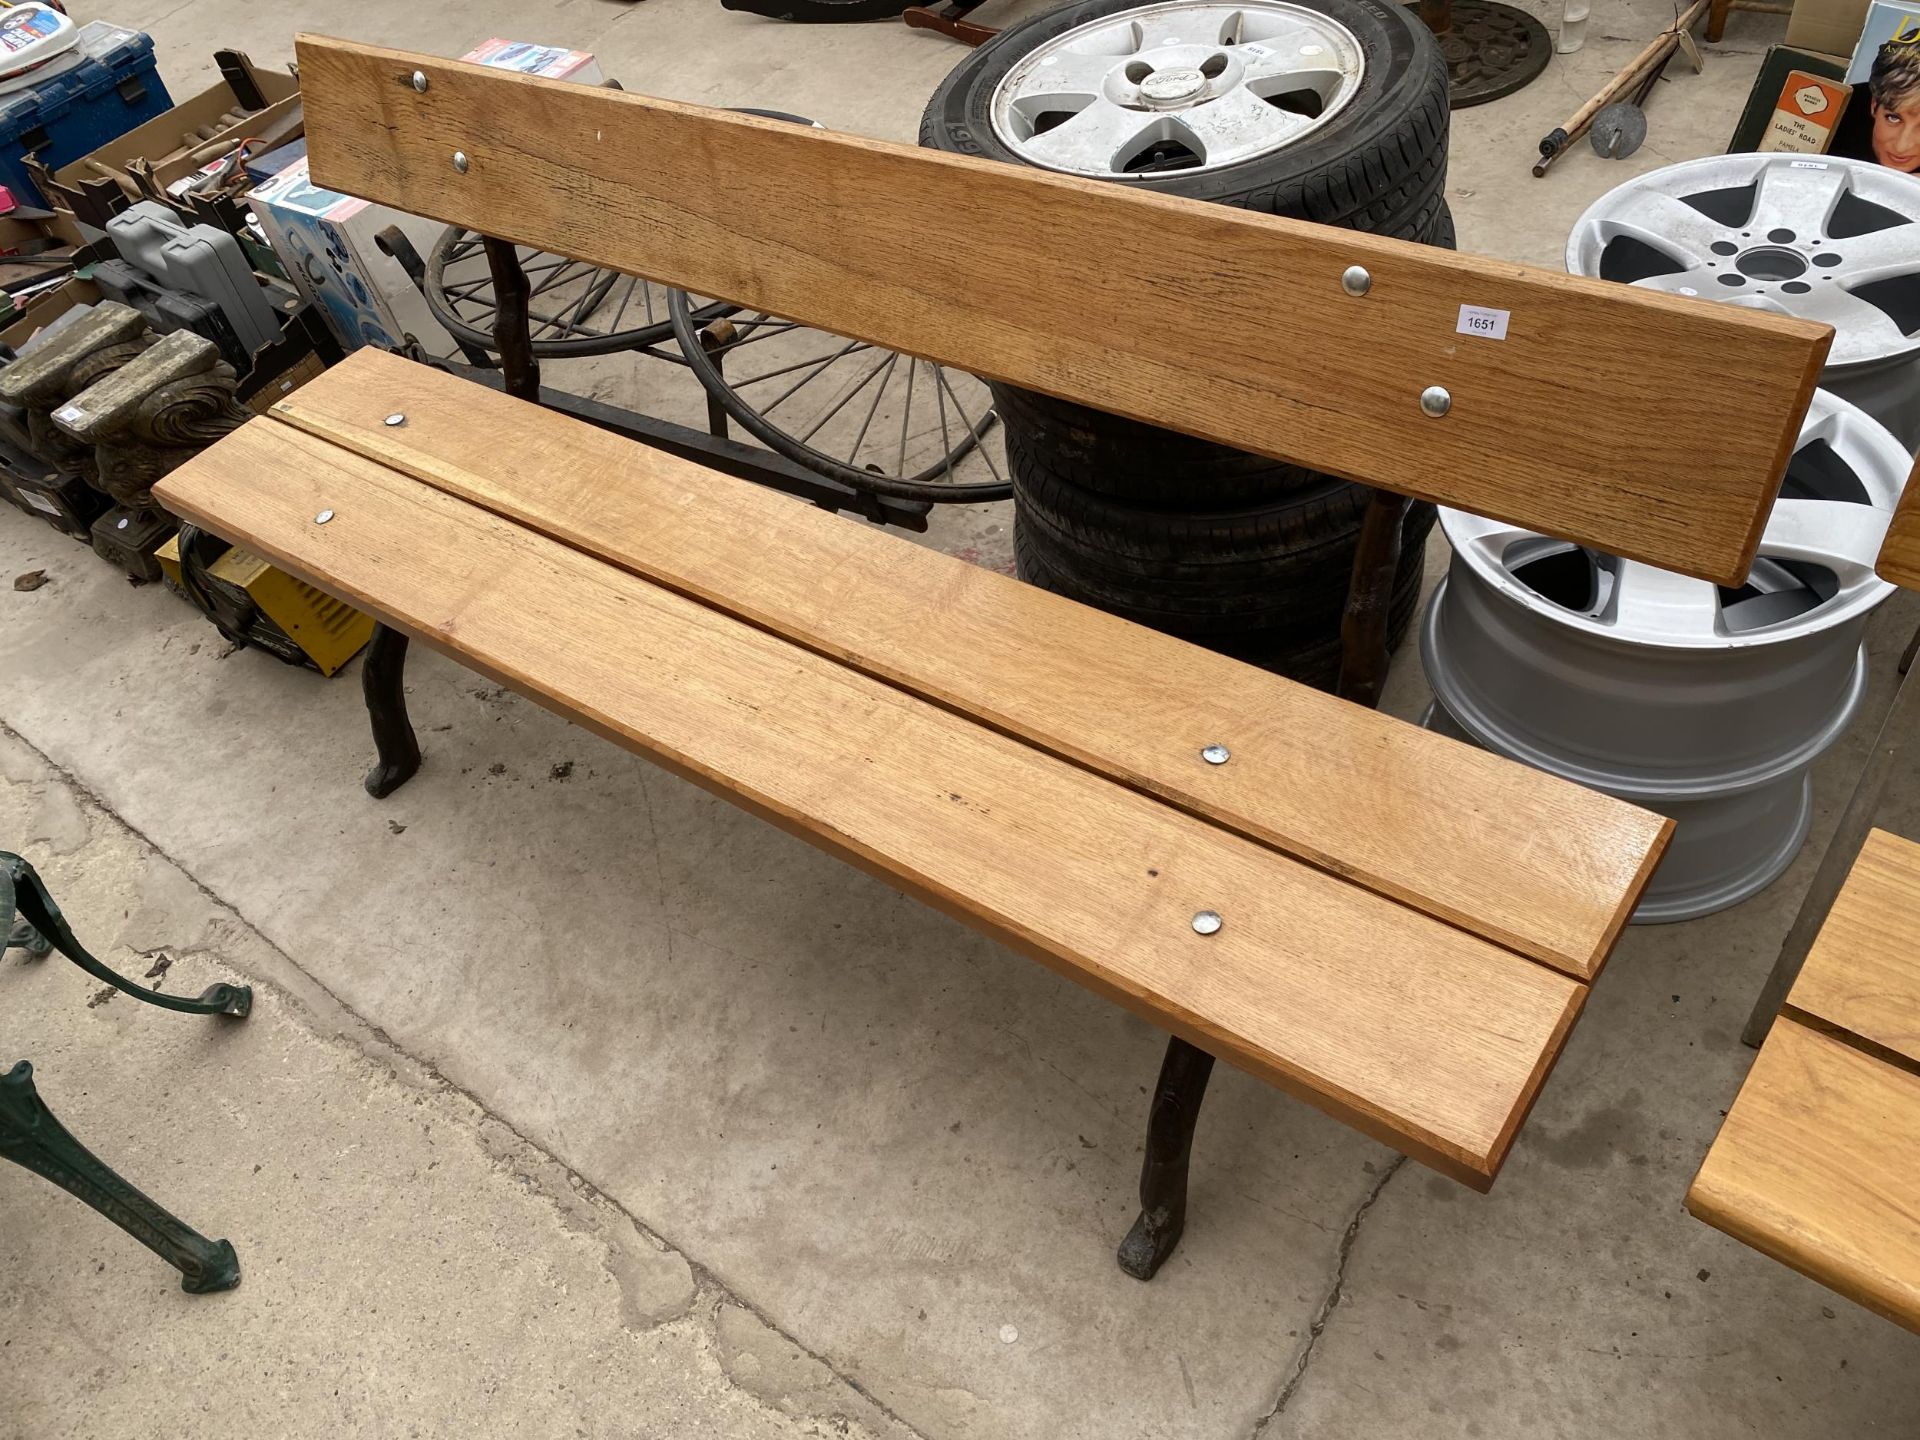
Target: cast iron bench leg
[
  {"x": 30, "y": 1136},
  {"x": 29, "y": 895},
  {"x": 1163, "y": 1176},
  {"x": 1183, "y": 1074},
  {"x": 383, "y": 682}
]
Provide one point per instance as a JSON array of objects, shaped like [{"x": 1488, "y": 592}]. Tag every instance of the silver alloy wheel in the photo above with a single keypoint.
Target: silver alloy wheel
[
  {"x": 1706, "y": 703},
  {"x": 1177, "y": 87},
  {"x": 1823, "y": 238}
]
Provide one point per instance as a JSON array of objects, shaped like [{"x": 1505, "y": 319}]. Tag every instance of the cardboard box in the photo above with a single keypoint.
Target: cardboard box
[
  {"x": 30, "y": 237},
  {"x": 1828, "y": 27},
  {"x": 160, "y": 141},
  {"x": 328, "y": 244},
  {"x": 47, "y": 307}
]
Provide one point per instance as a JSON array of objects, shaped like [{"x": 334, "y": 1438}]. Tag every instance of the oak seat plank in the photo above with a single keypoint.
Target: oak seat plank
[
  {"x": 1529, "y": 861},
  {"x": 1818, "y": 1166},
  {"x": 1159, "y": 329},
  {"x": 1862, "y": 976},
  {"x": 1414, "y": 1031}
]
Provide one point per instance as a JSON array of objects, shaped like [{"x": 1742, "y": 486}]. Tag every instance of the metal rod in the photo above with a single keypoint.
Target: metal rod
[
  {"x": 797, "y": 365},
  {"x": 906, "y": 414},
  {"x": 940, "y": 400},
  {"x": 806, "y": 379},
  {"x": 976, "y": 432},
  {"x": 841, "y": 403},
  {"x": 716, "y": 348},
  {"x": 1555, "y": 143},
  {"x": 873, "y": 409}
]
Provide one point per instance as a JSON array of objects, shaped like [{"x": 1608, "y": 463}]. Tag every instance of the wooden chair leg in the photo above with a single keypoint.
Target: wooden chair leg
[
  {"x": 1903, "y": 720},
  {"x": 1717, "y": 20},
  {"x": 31, "y": 1137},
  {"x": 1163, "y": 1175},
  {"x": 383, "y": 677}
]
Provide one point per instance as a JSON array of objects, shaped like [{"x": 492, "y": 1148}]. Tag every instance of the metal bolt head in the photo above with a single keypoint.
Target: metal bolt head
[
  {"x": 1435, "y": 401},
  {"x": 1355, "y": 280},
  {"x": 396, "y": 419},
  {"x": 323, "y": 517},
  {"x": 460, "y": 161},
  {"x": 420, "y": 81},
  {"x": 1216, "y": 754},
  {"x": 1207, "y": 922}
]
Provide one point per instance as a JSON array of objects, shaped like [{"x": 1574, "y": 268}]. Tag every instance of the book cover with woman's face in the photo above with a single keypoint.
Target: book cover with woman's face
[{"x": 1893, "y": 92}]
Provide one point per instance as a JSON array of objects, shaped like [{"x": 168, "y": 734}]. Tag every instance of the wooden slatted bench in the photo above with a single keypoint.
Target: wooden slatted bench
[
  {"x": 1396, "y": 928},
  {"x": 1818, "y": 1161}
]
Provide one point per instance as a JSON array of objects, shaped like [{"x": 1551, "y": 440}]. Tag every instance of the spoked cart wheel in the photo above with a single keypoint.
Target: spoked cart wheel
[
  {"x": 576, "y": 309},
  {"x": 871, "y": 418},
  {"x": 881, "y": 422}
]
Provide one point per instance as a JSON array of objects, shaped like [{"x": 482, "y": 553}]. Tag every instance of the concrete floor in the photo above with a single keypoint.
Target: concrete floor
[{"x": 590, "y": 1106}]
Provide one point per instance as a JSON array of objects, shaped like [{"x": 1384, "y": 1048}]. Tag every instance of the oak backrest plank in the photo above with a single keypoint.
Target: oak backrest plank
[
  {"x": 1899, "y": 559},
  {"x": 1862, "y": 976},
  {"x": 1532, "y": 862},
  {"x": 1203, "y": 318},
  {"x": 1416, "y": 1032},
  {"x": 1818, "y": 1165}
]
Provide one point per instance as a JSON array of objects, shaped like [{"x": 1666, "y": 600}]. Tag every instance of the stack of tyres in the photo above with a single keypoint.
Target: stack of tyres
[{"x": 1333, "y": 111}]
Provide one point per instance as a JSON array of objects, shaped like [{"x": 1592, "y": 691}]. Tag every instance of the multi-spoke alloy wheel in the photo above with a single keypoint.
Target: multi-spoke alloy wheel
[
  {"x": 1177, "y": 87},
  {"x": 1827, "y": 239}
]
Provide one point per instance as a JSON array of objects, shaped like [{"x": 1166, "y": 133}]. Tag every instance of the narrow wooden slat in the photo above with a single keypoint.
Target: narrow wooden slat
[
  {"x": 1532, "y": 862},
  {"x": 1862, "y": 976},
  {"x": 1410, "y": 1029},
  {"x": 1818, "y": 1165},
  {"x": 1204, "y": 318},
  {"x": 1900, "y": 551}
]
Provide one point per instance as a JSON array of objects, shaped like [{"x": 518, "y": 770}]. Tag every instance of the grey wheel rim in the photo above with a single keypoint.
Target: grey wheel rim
[{"x": 1706, "y": 703}]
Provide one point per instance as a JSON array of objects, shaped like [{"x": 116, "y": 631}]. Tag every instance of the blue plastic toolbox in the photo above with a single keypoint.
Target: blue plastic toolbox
[{"x": 72, "y": 113}]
